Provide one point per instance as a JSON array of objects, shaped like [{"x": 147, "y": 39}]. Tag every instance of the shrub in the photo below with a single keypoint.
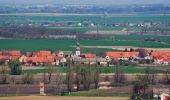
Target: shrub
[{"x": 15, "y": 67}]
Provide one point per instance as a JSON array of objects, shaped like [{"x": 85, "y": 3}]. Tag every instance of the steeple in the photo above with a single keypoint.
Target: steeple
[{"x": 78, "y": 49}]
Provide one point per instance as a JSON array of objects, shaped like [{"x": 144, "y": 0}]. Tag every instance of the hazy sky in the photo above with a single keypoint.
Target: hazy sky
[{"x": 98, "y": 2}]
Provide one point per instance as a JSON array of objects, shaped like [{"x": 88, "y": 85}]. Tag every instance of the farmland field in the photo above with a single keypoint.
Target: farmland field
[
  {"x": 133, "y": 18},
  {"x": 37, "y": 20},
  {"x": 111, "y": 69},
  {"x": 54, "y": 45}
]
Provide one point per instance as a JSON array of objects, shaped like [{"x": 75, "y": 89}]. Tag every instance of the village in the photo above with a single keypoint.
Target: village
[
  {"x": 140, "y": 56},
  {"x": 103, "y": 82}
]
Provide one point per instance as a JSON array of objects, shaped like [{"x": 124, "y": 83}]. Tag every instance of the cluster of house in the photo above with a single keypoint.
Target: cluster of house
[
  {"x": 158, "y": 57},
  {"x": 56, "y": 58},
  {"x": 39, "y": 58}
]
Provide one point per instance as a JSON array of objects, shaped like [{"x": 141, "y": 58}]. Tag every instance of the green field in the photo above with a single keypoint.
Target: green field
[
  {"x": 111, "y": 69},
  {"x": 37, "y": 20},
  {"x": 67, "y": 45},
  {"x": 133, "y": 18},
  {"x": 98, "y": 94}
]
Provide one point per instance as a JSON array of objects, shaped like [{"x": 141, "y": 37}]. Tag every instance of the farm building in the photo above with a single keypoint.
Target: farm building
[
  {"x": 161, "y": 57},
  {"x": 121, "y": 55},
  {"x": 6, "y": 55}
]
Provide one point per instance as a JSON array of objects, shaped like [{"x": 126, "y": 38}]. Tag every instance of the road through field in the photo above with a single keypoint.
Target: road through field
[{"x": 61, "y": 98}]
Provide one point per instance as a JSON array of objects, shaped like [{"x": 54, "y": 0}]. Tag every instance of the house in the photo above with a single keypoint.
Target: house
[
  {"x": 38, "y": 60},
  {"x": 43, "y": 53},
  {"x": 29, "y": 54},
  {"x": 163, "y": 93},
  {"x": 161, "y": 57},
  {"x": 7, "y": 55},
  {"x": 88, "y": 55},
  {"x": 121, "y": 55},
  {"x": 59, "y": 54}
]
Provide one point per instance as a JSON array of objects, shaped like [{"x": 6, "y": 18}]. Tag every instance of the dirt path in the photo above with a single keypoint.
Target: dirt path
[{"x": 61, "y": 98}]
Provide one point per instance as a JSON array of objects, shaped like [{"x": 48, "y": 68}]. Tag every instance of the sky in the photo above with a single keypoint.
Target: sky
[{"x": 97, "y": 2}]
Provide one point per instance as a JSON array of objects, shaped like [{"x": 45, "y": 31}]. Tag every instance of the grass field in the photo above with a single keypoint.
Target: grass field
[
  {"x": 112, "y": 40},
  {"x": 38, "y": 19},
  {"x": 111, "y": 69},
  {"x": 98, "y": 95},
  {"x": 133, "y": 18}
]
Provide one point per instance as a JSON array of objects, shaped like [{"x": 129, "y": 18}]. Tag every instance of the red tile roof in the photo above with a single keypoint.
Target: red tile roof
[
  {"x": 15, "y": 53},
  {"x": 15, "y": 57},
  {"x": 29, "y": 54},
  {"x": 3, "y": 57},
  {"x": 44, "y": 53},
  {"x": 89, "y": 55},
  {"x": 121, "y": 54},
  {"x": 160, "y": 55},
  {"x": 39, "y": 59}
]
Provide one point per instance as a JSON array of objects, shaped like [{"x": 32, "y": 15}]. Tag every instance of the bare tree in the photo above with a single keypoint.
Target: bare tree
[
  {"x": 59, "y": 87},
  {"x": 97, "y": 73},
  {"x": 69, "y": 75},
  {"x": 50, "y": 71},
  {"x": 3, "y": 74},
  {"x": 78, "y": 76},
  {"x": 88, "y": 75},
  {"x": 117, "y": 73}
]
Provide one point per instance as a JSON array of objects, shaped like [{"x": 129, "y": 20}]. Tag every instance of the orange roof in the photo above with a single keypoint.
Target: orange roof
[
  {"x": 15, "y": 57},
  {"x": 29, "y": 54},
  {"x": 39, "y": 59},
  {"x": 121, "y": 54},
  {"x": 27, "y": 59},
  {"x": 89, "y": 55},
  {"x": 159, "y": 55},
  {"x": 5, "y": 52},
  {"x": 3, "y": 57},
  {"x": 15, "y": 53},
  {"x": 44, "y": 53}
]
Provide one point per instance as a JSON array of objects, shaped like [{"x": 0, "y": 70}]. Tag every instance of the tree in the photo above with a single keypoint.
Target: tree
[
  {"x": 78, "y": 76},
  {"x": 69, "y": 75},
  {"x": 15, "y": 67},
  {"x": 117, "y": 73},
  {"x": 88, "y": 75},
  {"x": 139, "y": 89},
  {"x": 27, "y": 78},
  {"x": 97, "y": 73},
  {"x": 143, "y": 53},
  {"x": 50, "y": 71},
  {"x": 131, "y": 49},
  {"x": 126, "y": 50},
  {"x": 3, "y": 74}
]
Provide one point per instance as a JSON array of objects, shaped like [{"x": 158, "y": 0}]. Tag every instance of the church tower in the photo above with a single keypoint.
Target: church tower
[{"x": 78, "y": 50}]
